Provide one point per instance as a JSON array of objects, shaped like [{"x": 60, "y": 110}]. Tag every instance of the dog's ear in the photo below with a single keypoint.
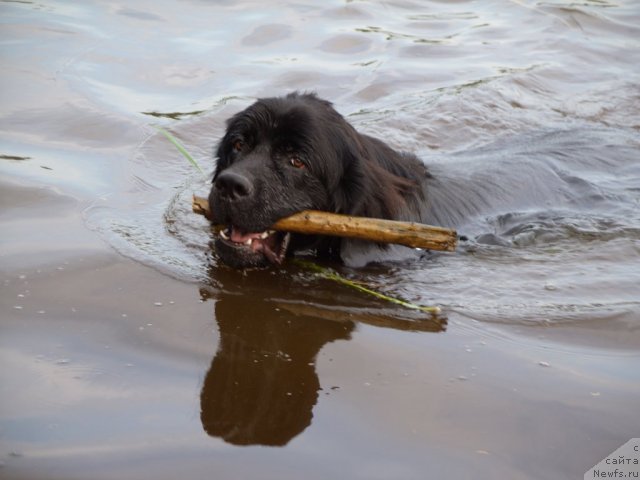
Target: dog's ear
[
  {"x": 348, "y": 182},
  {"x": 221, "y": 157},
  {"x": 225, "y": 145},
  {"x": 365, "y": 186},
  {"x": 237, "y": 126}
]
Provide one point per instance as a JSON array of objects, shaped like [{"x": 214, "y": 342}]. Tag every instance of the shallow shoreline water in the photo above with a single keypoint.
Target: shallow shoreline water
[{"x": 127, "y": 352}]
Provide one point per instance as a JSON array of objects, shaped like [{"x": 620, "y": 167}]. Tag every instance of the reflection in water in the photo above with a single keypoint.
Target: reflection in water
[{"x": 262, "y": 384}]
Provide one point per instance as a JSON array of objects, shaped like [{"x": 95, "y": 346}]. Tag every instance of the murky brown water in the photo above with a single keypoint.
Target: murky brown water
[{"x": 128, "y": 353}]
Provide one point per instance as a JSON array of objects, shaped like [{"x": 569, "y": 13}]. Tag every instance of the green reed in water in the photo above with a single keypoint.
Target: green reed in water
[
  {"x": 336, "y": 277},
  {"x": 311, "y": 266},
  {"x": 180, "y": 148}
]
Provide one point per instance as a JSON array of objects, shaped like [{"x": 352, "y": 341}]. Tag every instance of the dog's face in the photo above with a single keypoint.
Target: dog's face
[{"x": 278, "y": 157}]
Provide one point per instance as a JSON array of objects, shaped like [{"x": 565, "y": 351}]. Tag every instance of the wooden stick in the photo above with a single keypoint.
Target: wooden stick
[{"x": 314, "y": 222}]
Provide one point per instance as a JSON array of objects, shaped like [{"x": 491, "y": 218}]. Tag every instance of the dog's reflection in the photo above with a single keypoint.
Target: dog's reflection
[{"x": 262, "y": 384}]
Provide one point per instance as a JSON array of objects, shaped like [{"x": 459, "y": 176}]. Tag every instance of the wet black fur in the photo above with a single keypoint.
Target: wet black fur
[
  {"x": 344, "y": 171},
  {"x": 474, "y": 191}
]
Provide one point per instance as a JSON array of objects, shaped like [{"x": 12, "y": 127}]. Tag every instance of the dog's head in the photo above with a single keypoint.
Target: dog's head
[
  {"x": 286, "y": 154},
  {"x": 279, "y": 156}
]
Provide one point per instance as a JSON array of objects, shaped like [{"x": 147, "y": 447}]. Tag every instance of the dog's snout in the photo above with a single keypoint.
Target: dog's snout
[{"x": 233, "y": 186}]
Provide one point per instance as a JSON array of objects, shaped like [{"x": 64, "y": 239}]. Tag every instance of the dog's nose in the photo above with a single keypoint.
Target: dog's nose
[{"x": 233, "y": 186}]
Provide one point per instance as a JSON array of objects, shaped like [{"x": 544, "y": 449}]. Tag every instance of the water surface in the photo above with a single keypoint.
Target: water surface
[{"x": 128, "y": 352}]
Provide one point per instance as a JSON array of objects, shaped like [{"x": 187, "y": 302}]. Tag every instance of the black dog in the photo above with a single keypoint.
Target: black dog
[
  {"x": 283, "y": 155},
  {"x": 286, "y": 154}
]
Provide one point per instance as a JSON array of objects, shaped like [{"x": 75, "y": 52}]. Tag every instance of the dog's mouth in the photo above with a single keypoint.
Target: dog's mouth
[{"x": 271, "y": 244}]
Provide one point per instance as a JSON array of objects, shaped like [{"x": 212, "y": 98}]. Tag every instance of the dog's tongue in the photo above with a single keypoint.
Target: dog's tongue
[
  {"x": 257, "y": 242},
  {"x": 239, "y": 237},
  {"x": 269, "y": 243}
]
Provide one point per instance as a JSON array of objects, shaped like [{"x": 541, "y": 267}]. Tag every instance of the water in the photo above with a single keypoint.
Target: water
[{"x": 532, "y": 371}]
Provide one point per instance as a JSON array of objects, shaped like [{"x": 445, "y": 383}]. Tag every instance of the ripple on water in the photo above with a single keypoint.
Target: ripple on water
[
  {"x": 410, "y": 82},
  {"x": 531, "y": 267}
]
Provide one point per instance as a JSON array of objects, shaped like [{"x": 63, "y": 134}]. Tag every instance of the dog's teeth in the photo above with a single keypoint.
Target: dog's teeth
[
  {"x": 248, "y": 242},
  {"x": 224, "y": 235},
  {"x": 264, "y": 235}
]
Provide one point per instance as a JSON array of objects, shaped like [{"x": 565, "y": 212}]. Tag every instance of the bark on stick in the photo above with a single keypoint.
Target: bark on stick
[{"x": 314, "y": 222}]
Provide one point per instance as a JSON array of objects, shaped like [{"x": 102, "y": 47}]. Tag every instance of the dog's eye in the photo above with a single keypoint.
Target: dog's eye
[
  {"x": 296, "y": 162},
  {"x": 238, "y": 145}
]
